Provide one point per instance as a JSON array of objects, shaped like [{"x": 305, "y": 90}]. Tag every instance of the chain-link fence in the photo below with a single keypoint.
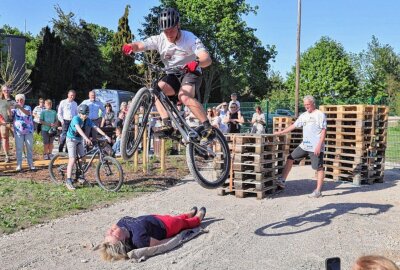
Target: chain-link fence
[{"x": 392, "y": 157}]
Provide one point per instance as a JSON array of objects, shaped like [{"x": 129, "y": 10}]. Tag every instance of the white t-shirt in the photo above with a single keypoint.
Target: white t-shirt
[
  {"x": 312, "y": 124},
  {"x": 179, "y": 54}
]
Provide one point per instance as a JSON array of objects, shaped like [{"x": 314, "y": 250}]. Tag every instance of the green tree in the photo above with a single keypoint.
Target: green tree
[
  {"x": 52, "y": 74},
  {"x": 86, "y": 59},
  {"x": 240, "y": 61},
  {"x": 32, "y": 43},
  {"x": 378, "y": 69},
  {"x": 326, "y": 73},
  {"x": 122, "y": 67}
]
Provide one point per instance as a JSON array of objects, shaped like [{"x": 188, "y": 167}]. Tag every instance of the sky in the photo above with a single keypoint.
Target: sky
[{"x": 350, "y": 22}]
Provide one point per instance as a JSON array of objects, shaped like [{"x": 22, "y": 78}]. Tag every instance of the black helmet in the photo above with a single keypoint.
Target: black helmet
[
  {"x": 84, "y": 109},
  {"x": 168, "y": 18}
]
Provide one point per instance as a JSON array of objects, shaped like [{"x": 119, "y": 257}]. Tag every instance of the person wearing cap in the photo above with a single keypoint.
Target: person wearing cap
[
  {"x": 75, "y": 134},
  {"x": 178, "y": 48}
]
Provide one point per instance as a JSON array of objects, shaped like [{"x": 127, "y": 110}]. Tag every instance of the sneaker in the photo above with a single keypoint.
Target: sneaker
[
  {"x": 280, "y": 183},
  {"x": 7, "y": 159},
  {"x": 207, "y": 136},
  {"x": 315, "y": 194},
  {"x": 82, "y": 180},
  {"x": 69, "y": 184},
  {"x": 46, "y": 157},
  {"x": 32, "y": 168},
  {"x": 18, "y": 169},
  {"x": 202, "y": 213},
  {"x": 50, "y": 156}
]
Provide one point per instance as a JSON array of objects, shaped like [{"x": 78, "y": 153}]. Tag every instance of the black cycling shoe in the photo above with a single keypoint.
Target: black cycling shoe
[
  {"x": 163, "y": 131},
  {"x": 207, "y": 135}
]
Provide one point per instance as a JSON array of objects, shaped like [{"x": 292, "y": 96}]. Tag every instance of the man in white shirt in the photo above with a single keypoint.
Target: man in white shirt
[
  {"x": 96, "y": 113},
  {"x": 178, "y": 48},
  {"x": 313, "y": 122},
  {"x": 67, "y": 109}
]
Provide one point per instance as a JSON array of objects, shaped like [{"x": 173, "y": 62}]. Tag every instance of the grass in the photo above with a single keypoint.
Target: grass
[
  {"x": 24, "y": 203},
  {"x": 393, "y": 149}
]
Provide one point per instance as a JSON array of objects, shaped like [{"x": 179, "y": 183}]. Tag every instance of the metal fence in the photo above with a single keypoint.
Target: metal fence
[{"x": 392, "y": 156}]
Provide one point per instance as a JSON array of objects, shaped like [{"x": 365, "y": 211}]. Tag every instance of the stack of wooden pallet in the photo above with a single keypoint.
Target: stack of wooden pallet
[
  {"x": 257, "y": 161},
  {"x": 355, "y": 142},
  {"x": 294, "y": 138}
]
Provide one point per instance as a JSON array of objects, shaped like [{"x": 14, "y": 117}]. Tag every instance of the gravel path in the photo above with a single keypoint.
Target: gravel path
[{"x": 287, "y": 231}]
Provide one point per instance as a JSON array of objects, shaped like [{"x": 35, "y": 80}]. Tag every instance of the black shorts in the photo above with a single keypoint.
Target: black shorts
[
  {"x": 317, "y": 162},
  {"x": 176, "y": 82}
]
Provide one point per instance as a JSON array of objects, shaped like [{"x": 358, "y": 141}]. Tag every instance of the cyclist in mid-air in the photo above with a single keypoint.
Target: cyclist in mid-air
[{"x": 178, "y": 48}]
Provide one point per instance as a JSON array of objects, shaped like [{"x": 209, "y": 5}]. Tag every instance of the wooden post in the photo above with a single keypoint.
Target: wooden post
[
  {"x": 144, "y": 151},
  {"x": 136, "y": 154},
  {"x": 162, "y": 155}
]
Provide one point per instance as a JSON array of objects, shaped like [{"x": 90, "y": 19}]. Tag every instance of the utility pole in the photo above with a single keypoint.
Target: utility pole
[{"x": 296, "y": 108}]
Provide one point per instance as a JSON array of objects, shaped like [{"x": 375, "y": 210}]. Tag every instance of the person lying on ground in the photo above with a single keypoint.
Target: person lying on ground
[{"x": 145, "y": 231}]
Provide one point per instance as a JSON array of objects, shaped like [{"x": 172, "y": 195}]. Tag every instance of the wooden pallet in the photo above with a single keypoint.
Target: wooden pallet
[
  {"x": 255, "y": 176},
  {"x": 254, "y": 185},
  {"x": 258, "y": 148},
  {"x": 258, "y": 158},
  {"x": 348, "y": 108},
  {"x": 255, "y": 167},
  {"x": 355, "y": 179},
  {"x": 260, "y": 139},
  {"x": 252, "y": 192}
]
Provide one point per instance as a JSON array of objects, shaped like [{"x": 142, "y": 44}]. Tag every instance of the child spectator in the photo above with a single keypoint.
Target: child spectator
[
  {"x": 234, "y": 100},
  {"x": 119, "y": 122},
  {"x": 36, "y": 115},
  {"x": 117, "y": 145},
  {"x": 48, "y": 119}
]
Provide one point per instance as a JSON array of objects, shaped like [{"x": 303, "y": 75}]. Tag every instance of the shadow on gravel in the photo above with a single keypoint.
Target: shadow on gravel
[
  {"x": 208, "y": 221},
  {"x": 322, "y": 216},
  {"x": 306, "y": 186}
]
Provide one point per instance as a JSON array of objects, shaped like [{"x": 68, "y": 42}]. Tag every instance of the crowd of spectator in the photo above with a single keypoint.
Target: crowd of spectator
[{"x": 18, "y": 120}]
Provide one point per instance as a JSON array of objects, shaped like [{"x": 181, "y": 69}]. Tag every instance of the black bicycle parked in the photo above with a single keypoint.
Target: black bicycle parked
[
  {"x": 209, "y": 164},
  {"x": 109, "y": 174}
]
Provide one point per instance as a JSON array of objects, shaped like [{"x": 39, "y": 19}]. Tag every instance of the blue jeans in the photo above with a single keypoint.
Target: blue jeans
[
  {"x": 20, "y": 141},
  {"x": 116, "y": 147}
]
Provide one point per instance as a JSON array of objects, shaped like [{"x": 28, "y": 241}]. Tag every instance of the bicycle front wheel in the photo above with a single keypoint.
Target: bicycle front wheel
[
  {"x": 135, "y": 122},
  {"x": 109, "y": 174},
  {"x": 58, "y": 168},
  {"x": 209, "y": 168}
]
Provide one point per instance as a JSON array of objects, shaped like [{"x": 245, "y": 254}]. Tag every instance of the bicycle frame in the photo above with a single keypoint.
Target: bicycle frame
[
  {"x": 186, "y": 131},
  {"x": 96, "y": 151}
]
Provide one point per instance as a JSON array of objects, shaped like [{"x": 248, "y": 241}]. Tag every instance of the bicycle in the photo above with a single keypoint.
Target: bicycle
[
  {"x": 209, "y": 165},
  {"x": 109, "y": 174}
]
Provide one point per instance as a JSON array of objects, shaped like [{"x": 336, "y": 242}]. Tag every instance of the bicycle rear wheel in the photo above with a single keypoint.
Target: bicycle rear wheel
[
  {"x": 210, "y": 170},
  {"x": 135, "y": 122},
  {"x": 58, "y": 168},
  {"x": 109, "y": 174}
]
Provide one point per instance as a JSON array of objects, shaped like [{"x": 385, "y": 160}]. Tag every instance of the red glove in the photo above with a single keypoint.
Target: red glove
[
  {"x": 191, "y": 66},
  {"x": 127, "y": 49}
]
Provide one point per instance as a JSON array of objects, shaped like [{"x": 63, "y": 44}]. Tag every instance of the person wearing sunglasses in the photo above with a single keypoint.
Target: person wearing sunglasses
[
  {"x": 23, "y": 131},
  {"x": 234, "y": 118}
]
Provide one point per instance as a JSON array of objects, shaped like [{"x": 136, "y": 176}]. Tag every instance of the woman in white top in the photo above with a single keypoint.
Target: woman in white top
[{"x": 258, "y": 121}]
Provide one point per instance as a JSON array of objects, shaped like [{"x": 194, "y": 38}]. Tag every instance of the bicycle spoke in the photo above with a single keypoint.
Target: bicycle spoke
[{"x": 109, "y": 174}]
